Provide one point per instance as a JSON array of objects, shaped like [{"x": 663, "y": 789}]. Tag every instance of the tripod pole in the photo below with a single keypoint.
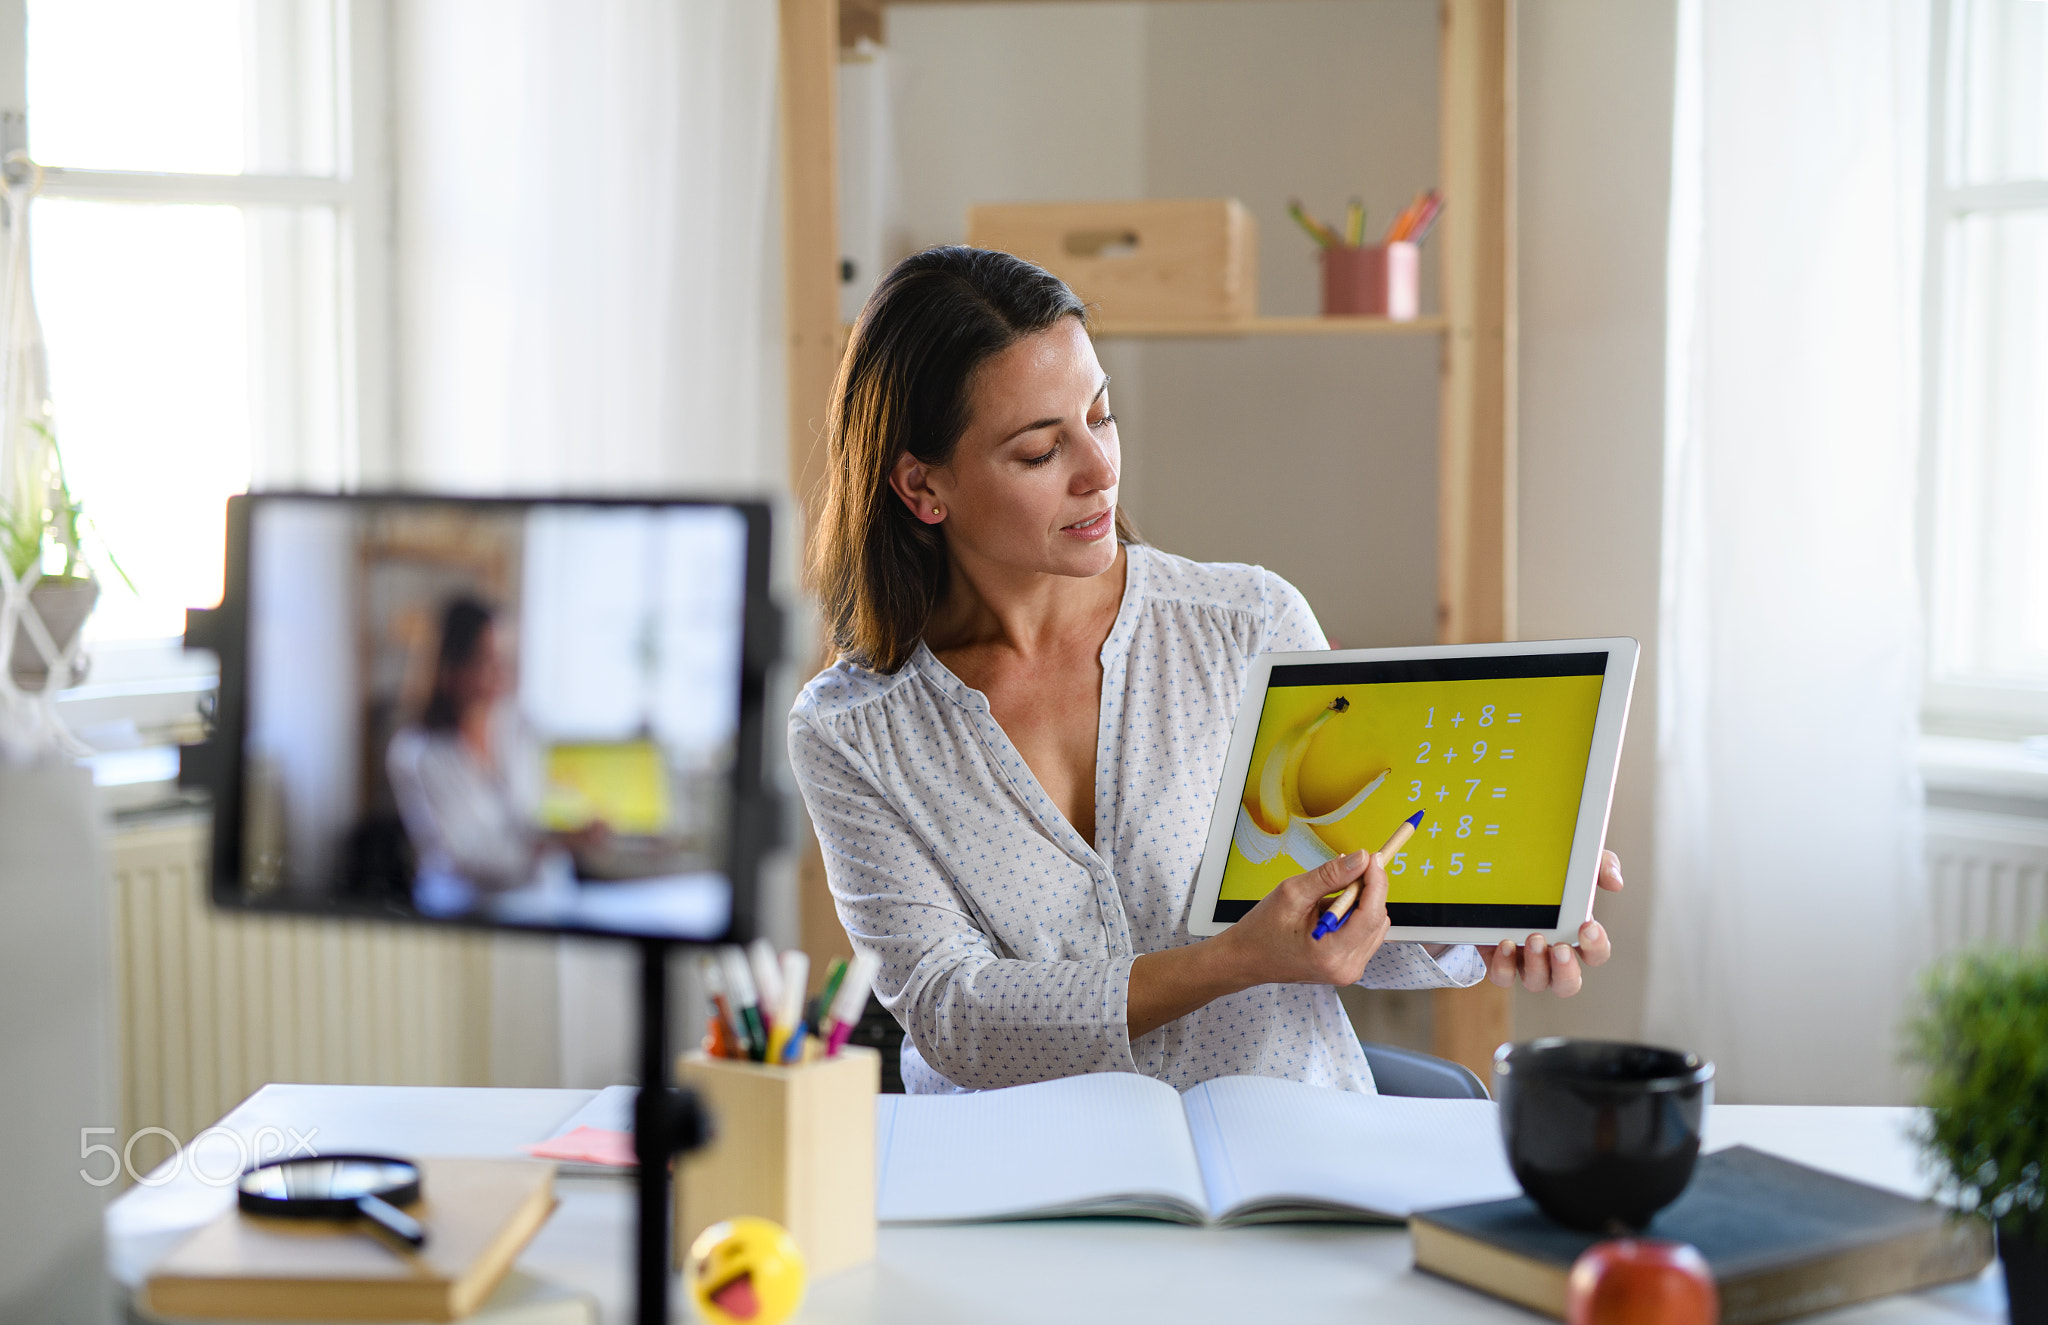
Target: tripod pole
[{"x": 653, "y": 1140}]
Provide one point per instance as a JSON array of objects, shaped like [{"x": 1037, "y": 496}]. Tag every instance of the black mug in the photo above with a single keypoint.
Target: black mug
[{"x": 1601, "y": 1135}]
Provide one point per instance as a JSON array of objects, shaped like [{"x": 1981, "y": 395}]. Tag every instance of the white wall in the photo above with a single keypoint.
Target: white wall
[
  {"x": 1014, "y": 102},
  {"x": 1595, "y": 179},
  {"x": 1313, "y": 456},
  {"x": 1327, "y": 442}
]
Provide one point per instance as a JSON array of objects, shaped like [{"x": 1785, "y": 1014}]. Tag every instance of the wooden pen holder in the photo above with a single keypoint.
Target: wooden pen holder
[{"x": 791, "y": 1144}]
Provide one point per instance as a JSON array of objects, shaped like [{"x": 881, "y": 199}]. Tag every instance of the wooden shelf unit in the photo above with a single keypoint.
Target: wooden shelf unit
[
  {"x": 1476, "y": 439},
  {"x": 1258, "y": 326},
  {"x": 1270, "y": 326}
]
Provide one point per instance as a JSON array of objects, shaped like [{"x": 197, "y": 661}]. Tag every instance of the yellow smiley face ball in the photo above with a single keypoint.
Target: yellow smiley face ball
[{"x": 746, "y": 1271}]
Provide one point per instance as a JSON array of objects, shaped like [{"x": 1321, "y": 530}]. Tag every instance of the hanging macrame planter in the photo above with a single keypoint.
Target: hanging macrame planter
[
  {"x": 46, "y": 588},
  {"x": 61, "y": 603}
]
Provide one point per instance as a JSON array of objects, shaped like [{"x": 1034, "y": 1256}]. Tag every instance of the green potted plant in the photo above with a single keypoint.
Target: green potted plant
[
  {"x": 39, "y": 543},
  {"x": 1982, "y": 1038}
]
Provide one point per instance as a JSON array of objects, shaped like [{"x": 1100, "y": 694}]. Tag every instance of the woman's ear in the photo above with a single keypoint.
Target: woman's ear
[{"x": 911, "y": 479}]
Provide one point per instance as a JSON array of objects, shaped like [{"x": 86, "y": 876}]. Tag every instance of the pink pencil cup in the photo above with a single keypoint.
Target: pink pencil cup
[{"x": 1375, "y": 280}]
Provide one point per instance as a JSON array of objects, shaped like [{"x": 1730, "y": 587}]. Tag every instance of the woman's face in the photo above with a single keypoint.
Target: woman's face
[
  {"x": 484, "y": 679},
  {"x": 1032, "y": 484}
]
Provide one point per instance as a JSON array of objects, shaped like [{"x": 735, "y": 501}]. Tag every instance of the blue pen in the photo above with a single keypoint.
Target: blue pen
[{"x": 1339, "y": 911}]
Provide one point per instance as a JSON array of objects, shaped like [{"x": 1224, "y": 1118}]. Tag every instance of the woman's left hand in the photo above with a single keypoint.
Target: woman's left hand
[{"x": 1558, "y": 967}]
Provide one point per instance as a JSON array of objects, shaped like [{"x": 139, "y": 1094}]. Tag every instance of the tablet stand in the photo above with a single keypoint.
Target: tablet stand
[{"x": 666, "y": 1122}]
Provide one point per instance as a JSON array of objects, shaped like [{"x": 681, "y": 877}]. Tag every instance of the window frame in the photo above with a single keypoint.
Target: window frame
[
  {"x": 150, "y": 678},
  {"x": 1954, "y": 702}
]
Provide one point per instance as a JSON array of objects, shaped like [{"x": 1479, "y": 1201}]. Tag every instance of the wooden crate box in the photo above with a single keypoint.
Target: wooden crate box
[{"x": 1193, "y": 260}]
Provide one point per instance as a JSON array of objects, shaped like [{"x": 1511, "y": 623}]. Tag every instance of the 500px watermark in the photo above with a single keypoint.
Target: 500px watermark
[{"x": 215, "y": 1156}]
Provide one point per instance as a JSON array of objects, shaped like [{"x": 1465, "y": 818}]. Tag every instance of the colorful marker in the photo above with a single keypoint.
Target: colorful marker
[
  {"x": 766, "y": 969},
  {"x": 739, "y": 985},
  {"x": 835, "y": 972},
  {"x": 796, "y": 979},
  {"x": 725, "y": 1037},
  {"x": 795, "y": 975},
  {"x": 851, "y": 999},
  {"x": 1339, "y": 911}
]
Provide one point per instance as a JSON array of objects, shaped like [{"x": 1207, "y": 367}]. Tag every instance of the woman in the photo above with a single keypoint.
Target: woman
[
  {"x": 468, "y": 777},
  {"x": 1012, "y": 766}
]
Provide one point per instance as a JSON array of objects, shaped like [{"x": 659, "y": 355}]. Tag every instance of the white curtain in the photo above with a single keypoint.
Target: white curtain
[
  {"x": 1790, "y": 899},
  {"x": 589, "y": 258},
  {"x": 589, "y": 245}
]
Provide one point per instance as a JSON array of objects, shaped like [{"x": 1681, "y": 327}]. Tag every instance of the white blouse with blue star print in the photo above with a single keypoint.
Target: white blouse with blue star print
[{"x": 1005, "y": 939}]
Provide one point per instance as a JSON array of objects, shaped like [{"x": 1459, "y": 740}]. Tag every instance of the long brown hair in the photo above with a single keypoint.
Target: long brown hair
[
  {"x": 904, "y": 385},
  {"x": 463, "y": 623}
]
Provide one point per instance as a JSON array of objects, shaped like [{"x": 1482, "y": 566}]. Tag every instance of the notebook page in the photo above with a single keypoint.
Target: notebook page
[
  {"x": 1263, "y": 1142},
  {"x": 1106, "y": 1142},
  {"x": 611, "y": 1110}
]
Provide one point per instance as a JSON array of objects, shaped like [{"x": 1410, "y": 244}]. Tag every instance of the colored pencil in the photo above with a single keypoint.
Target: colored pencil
[
  {"x": 1315, "y": 229},
  {"x": 1428, "y": 221}
]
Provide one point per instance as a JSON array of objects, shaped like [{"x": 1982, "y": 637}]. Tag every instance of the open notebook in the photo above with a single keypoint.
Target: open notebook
[{"x": 1235, "y": 1150}]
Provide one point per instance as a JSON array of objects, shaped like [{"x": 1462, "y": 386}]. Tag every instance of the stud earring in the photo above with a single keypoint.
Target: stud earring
[{"x": 938, "y": 513}]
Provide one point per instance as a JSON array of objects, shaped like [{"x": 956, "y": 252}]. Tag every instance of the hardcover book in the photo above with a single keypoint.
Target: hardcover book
[
  {"x": 1782, "y": 1240},
  {"x": 478, "y": 1214}
]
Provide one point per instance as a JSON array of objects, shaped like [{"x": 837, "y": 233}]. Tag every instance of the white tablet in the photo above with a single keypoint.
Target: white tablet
[{"x": 1509, "y": 750}]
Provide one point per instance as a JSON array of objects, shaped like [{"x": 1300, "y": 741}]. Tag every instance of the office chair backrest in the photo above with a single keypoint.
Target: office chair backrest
[{"x": 1418, "y": 1075}]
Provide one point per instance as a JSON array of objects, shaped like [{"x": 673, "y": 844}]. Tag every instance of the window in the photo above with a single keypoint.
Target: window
[
  {"x": 1987, "y": 368},
  {"x": 210, "y": 262}
]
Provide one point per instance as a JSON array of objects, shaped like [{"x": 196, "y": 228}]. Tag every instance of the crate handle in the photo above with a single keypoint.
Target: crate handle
[{"x": 1101, "y": 243}]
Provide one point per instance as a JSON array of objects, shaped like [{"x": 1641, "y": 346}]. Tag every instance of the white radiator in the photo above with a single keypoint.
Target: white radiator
[
  {"x": 213, "y": 1004},
  {"x": 1988, "y": 875}
]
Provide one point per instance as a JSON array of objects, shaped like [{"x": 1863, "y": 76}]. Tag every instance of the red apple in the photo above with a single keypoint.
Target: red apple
[{"x": 1640, "y": 1281}]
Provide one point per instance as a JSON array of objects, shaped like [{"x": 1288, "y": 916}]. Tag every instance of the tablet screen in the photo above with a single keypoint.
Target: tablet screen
[{"x": 1492, "y": 750}]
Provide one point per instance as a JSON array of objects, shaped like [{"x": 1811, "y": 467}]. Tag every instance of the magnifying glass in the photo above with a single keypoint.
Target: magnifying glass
[{"x": 343, "y": 1187}]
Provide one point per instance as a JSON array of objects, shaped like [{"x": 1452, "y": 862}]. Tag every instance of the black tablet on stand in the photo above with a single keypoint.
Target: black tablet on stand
[{"x": 535, "y": 714}]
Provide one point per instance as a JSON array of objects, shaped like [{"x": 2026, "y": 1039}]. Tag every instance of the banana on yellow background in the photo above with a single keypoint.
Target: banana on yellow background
[{"x": 1324, "y": 760}]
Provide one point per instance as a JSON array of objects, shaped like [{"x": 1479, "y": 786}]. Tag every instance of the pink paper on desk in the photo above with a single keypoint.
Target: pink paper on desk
[{"x": 588, "y": 1145}]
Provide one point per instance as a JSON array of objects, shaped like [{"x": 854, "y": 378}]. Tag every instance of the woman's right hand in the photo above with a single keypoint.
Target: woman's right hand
[{"x": 1274, "y": 943}]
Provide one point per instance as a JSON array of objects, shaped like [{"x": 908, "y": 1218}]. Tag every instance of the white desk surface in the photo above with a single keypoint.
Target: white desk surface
[{"x": 1114, "y": 1271}]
